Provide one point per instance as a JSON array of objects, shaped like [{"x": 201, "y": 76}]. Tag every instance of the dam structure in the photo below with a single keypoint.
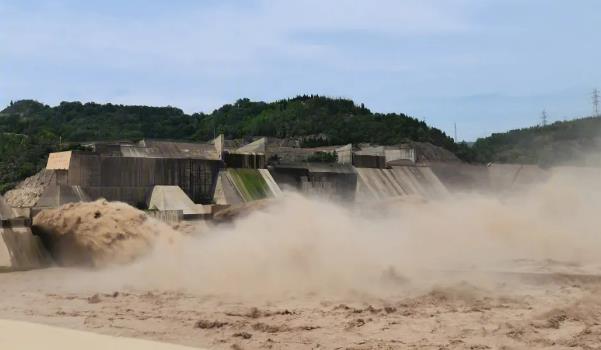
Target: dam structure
[
  {"x": 176, "y": 181},
  {"x": 386, "y": 172},
  {"x": 19, "y": 248},
  {"x": 349, "y": 172},
  {"x": 128, "y": 172},
  {"x": 245, "y": 177}
]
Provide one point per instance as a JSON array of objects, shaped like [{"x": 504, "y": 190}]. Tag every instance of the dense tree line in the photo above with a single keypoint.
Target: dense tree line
[
  {"x": 29, "y": 129},
  {"x": 563, "y": 142},
  {"x": 20, "y": 156},
  {"x": 339, "y": 119}
]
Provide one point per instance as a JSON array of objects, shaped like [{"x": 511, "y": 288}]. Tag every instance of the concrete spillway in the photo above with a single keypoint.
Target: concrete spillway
[
  {"x": 492, "y": 178},
  {"x": 237, "y": 186},
  {"x": 325, "y": 180},
  {"x": 56, "y": 195},
  {"x": 515, "y": 177},
  {"x": 173, "y": 198},
  {"x": 374, "y": 184},
  {"x": 19, "y": 248},
  {"x": 6, "y": 211}
]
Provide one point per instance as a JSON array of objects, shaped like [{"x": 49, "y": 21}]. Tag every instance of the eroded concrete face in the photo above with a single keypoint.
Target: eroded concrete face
[
  {"x": 169, "y": 198},
  {"x": 237, "y": 186},
  {"x": 19, "y": 248},
  {"x": 397, "y": 182},
  {"x": 6, "y": 211}
]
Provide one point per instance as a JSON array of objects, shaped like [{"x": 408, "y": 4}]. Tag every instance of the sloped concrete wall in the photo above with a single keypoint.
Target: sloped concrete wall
[
  {"x": 326, "y": 180},
  {"x": 514, "y": 177},
  {"x": 6, "y": 211},
  {"x": 21, "y": 250},
  {"x": 330, "y": 185},
  {"x": 375, "y": 184},
  {"x": 237, "y": 186},
  {"x": 56, "y": 195},
  {"x": 460, "y": 177},
  {"x": 225, "y": 192},
  {"x": 492, "y": 178},
  {"x": 169, "y": 216},
  {"x": 171, "y": 198},
  {"x": 249, "y": 184},
  {"x": 273, "y": 186}
]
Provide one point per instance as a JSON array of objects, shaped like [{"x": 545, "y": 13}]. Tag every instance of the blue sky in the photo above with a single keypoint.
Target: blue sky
[{"x": 487, "y": 65}]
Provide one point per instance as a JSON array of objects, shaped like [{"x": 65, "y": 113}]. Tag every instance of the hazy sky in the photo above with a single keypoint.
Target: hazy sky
[{"x": 488, "y": 65}]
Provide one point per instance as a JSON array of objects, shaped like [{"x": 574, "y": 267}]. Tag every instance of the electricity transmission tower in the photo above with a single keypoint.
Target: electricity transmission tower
[
  {"x": 595, "y": 102},
  {"x": 543, "y": 118},
  {"x": 455, "y": 127}
]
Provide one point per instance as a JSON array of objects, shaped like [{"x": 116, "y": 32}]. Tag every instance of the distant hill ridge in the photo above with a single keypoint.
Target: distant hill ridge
[
  {"x": 573, "y": 142},
  {"x": 339, "y": 120}
]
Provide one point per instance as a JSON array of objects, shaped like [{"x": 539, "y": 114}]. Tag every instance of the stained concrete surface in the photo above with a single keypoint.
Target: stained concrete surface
[
  {"x": 19, "y": 248},
  {"x": 374, "y": 184},
  {"x": 169, "y": 198}
]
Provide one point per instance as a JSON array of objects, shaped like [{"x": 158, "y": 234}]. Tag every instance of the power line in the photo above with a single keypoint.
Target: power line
[
  {"x": 543, "y": 117},
  {"x": 595, "y": 102}
]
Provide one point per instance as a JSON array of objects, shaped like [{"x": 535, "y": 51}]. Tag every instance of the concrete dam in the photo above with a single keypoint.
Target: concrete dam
[
  {"x": 194, "y": 180},
  {"x": 175, "y": 181},
  {"x": 199, "y": 178}
]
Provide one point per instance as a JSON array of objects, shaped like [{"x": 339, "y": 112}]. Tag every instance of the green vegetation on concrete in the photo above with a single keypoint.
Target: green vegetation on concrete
[
  {"x": 323, "y": 157},
  {"x": 250, "y": 183}
]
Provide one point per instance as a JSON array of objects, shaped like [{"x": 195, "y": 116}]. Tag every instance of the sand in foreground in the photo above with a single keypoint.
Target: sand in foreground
[
  {"x": 507, "y": 311},
  {"x": 25, "y": 335}
]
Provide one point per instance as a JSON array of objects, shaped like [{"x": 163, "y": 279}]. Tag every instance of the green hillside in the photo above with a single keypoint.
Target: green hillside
[
  {"x": 339, "y": 119},
  {"x": 574, "y": 142},
  {"x": 29, "y": 129},
  {"x": 20, "y": 157}
]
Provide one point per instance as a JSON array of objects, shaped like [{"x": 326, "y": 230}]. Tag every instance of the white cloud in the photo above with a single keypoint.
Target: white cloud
[
  {"x": 394, "y": 55},
  {"x": 212, "y": 39}
]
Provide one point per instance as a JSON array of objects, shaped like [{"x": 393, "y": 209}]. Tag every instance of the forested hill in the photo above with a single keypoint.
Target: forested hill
[
  {"x": 574, "y": 142},
  {"x": 339, "y": 119},
  {"x": 29, "y": 129}
]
